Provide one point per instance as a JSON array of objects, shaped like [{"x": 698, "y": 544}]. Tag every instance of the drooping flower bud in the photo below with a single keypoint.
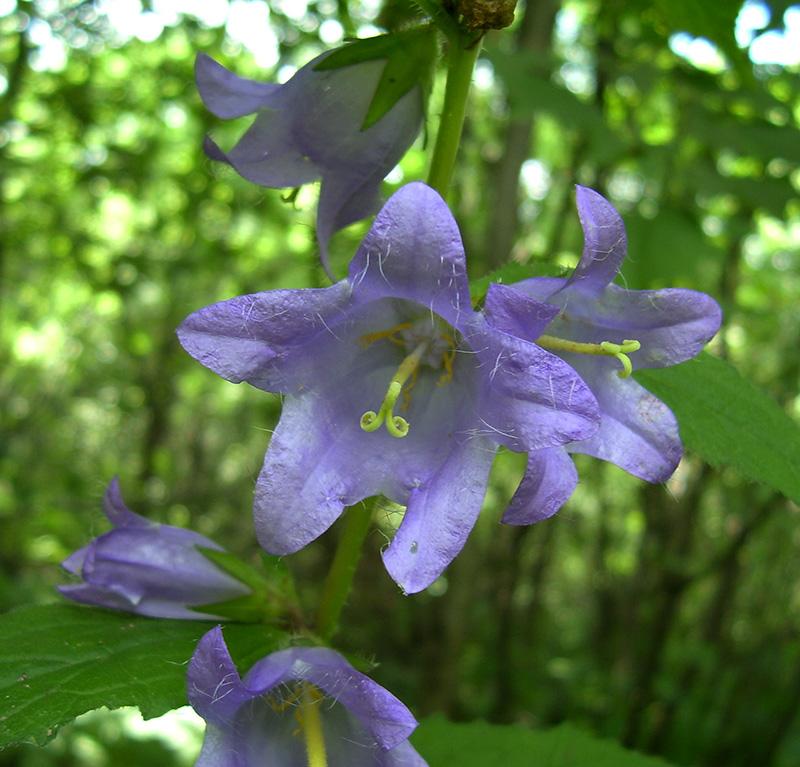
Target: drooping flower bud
[
  {"x": 149, "y": 569},
  {"x": 347, "y": 118}
]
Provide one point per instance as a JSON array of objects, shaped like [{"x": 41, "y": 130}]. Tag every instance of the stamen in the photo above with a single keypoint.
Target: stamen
[
  {"x": 605, "y": 348},
  {"x": 397, "y": 426},
  {"x": 367, "y": 340},
  {"x": 447, "y": 360}
]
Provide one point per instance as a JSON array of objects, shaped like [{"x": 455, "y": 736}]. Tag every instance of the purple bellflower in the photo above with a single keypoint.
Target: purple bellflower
[
  {"x": 147, "y": 568},
  {"x": 399, "y": 335},
  {"x": 301, "y": 707},
  {"x": 310, "y": 129},
  {"x": 605, "y": 331}
]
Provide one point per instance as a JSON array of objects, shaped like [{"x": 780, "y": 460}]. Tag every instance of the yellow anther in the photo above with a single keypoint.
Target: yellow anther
[
  {"x": 407, "y": 390},
  {"x": 369, "y": 339},
  {"x": 276, "y": 706},
  {"x": 447, "y": 360}
]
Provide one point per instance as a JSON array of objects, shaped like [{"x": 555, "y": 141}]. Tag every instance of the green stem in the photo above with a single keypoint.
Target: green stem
[
  {"x": 340, "y": 578},
  {"x": 463, "y": 55}
]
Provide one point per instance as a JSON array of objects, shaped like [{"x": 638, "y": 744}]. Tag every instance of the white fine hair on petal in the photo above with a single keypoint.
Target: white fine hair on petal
[
  {"x": 322, "y": 320},
  {"x": 381, "y": 260},
  {"x": 228, "y": 680}
]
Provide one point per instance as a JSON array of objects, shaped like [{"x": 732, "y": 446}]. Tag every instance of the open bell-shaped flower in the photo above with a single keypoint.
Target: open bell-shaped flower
[
  {"x": 605, "y": 331},
  {"x": 301, "y": 707},
  {"x": 147, "y": 568},
  {"x": 394, "y": 385},
  {"x": 313, "y": 127}
]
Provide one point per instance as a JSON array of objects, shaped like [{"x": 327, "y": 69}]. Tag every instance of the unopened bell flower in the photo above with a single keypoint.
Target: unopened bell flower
[
  {"x": 300, "y": 707},
  {"x": 394, "y": 385},
  {"x": 605, "y": 331},
  {"x": 147, "y": 568},
  {"x": 310, "y": 128}
]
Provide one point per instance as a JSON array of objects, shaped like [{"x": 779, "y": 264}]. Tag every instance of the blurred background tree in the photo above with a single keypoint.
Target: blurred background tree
[{"x": 666, "y": 617}]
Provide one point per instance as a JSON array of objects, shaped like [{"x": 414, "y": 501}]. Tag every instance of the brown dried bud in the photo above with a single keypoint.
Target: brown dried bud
[{"x": 486, "y": 14}]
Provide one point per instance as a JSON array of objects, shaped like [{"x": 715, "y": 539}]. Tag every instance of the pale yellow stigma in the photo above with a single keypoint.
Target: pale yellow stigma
[
  {"x": 311, "y": 725},
  {"x": 397, "y": 426},
  {"x": 307, "y": 715},
  {"x": 605, "y": 348},
  {"x": 431, "y": 347}
]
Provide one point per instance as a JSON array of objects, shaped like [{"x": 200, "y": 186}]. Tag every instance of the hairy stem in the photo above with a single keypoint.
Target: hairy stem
[
  {"x": 343, "y": 569},
  {"x": 463, "y": 55}
]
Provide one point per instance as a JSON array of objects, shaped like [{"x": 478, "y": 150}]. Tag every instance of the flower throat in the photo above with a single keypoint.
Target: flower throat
[{"x": 430, "y": 346}]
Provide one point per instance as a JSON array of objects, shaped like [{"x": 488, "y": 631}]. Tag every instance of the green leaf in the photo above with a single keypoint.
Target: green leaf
[
  {"x": 513, "y": 272},
  {"x": 666, "y": 250},
  {"x": 59, "y": 661},
  {"x": 728, "y": 421},
  {"x": 479, "y": 744},
  {"x": 410, "y": 57}
]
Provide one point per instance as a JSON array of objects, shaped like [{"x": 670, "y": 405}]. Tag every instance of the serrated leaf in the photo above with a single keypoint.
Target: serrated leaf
[
  {"x": 479, "y": 744},
  {"x": 59, "y": 661},
  {"x": 410, "y": 56},
  {"x": 727, "y": 421}
]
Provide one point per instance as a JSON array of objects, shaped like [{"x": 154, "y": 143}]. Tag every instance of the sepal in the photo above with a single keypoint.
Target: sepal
[
  {"x": 410, "y": 60},
  {"x": 273, "y": 598}
]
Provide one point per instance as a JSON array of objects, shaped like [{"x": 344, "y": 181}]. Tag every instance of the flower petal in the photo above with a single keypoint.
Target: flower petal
[
  {"x": 118, "y": 513},
  {"x": 672, "y": 324},
  {"x": 549, "y": 480},
  {"x": 320, "y": 460},
  {"x": 147, "y": 568},
  {"x": 268, "y": 153},
  {"x": 226, "y": 94},
  {"x": 343, "y": 201},
  {"x": 238, "y": 338},
  {"x": 638, "y": 432},
  {"x": 515, "y": 313},
  {"x": 414, "y": 251},
  {"x": 440, "y": 515},
  {"x": 532, "y": 399},
  {"x": 214, "y": 688},
  {"x": 605, "y": 242},
  {"x": 386, "y": 719},
  {"x": 364, "y": 724}
]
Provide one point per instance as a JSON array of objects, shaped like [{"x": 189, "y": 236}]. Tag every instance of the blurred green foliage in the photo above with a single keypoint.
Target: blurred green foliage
[{"x": 667, "y": 618}]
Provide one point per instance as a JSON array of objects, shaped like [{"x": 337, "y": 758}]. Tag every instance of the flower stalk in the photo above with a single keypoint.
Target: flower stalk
[
  {"x": 463, "y": 55},
  {"x": 340, "y": 576}
]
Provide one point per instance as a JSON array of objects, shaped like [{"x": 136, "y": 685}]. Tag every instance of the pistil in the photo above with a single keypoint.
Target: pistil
[
  {"x": 396, "y": 425},
  {"x": 605, "y": 349},
  {"x": 311, "y": 725}
]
